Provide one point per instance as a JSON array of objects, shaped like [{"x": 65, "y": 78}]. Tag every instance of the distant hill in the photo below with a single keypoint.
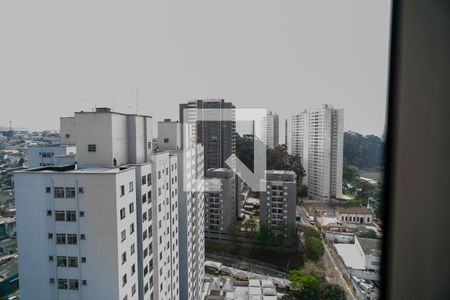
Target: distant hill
[{"x": 364, "y": 152}]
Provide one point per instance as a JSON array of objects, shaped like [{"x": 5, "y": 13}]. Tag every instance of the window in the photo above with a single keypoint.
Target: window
[
  {"x": 83, "y": 259},
  {"x": 159, "y": 191},
  {"x": 48, "y": 189},
  {"x": 62, "y": 284},
  {"x": 124, "y": 257},
  {"x": 82, "y": 237},
  {"x": 149, "y": 196},
  {"x": 73, "y": 284},
  {"x": 132, "y": 249},
  {"x": 123, "y": 235},
  {"x": 144, "y": 216},
  {"x": 166, "y": 140},
  {"x": 84, "y": 282},
  {"x": 67, "y": 136},
  {"x": 131, "y": 208},
  {"x": 149, "y": 179},
  {"x": 149, "y": 214},
  {"x": 72, "y": 239},
  {"x": 133, "y": 288},
  {"x": 131, "y": 228},
  {"x": 133, "y": 269},
  {"x": 60, "y": 215},
  {"x": 49, "y": 212},
  {"x": 159, "y": 207},
  {"x": 51, "y": 280},
  {"x": 72, "y": 261},
  {"x": 92, "y": 148},
  {"x": 124, "y": 279},
  {"x": 80, "y": 190},
  {"x": 60, "y": 238},
  {"x": 145, "y": 270},
  {"x": 70, "y": 192},
  {"x": 144, "y": 198},
  {"x": 122, "y": 213},
  {"x": 144, "y": 180},
  {"x": 159, "y": 174},
  {"x": 50, "y": 258},
  {"x": 71, "y": 216},
  {"x": 61, "y": 261},
  {"x": 122, "y": 190},
  {"x": 130, "y": 186},
  {"x": 81, "y": 213},
  {"x": 58, "y": 192}
]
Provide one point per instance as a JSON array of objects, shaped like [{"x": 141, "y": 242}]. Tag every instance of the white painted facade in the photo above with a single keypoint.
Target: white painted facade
[
  {"x": 122, "y": 210},
  {"x": 169, "y": 135},
  {"x": 268, "y": 130},
  {"x": 50, "y": 155},
  {"x": 191, "y": 207},
  {"x": 318, "y": 137},
  {"x": 95, "y": 207},
  {"x": 108, "y": 139}
]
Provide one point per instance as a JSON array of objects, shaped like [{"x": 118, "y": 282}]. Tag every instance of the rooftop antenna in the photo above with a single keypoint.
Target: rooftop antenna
[
  {"x": 137, "y": 100},
  {"x": 10, "y": 126}
]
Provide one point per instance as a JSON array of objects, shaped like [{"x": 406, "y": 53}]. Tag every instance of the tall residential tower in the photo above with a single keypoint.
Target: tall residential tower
[
  {"x": 318, "y": 137},
  {"x": 106, "y": 226},
  {"x": 268, "y": 130}
]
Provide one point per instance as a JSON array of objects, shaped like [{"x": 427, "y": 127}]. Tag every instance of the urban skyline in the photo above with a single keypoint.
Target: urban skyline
[{"x": 54, "y": 64}]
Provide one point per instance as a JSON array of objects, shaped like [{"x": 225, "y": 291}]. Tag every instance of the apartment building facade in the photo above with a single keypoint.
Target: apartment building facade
[
  {"x": 190, "y": 207},
  {"x": 268, "y": 130},
  {"x": 105, "y": 227},
  {"x": 215, "y": 129},
  {"x": 318, "y": 137},
  {"x": 278, "y": 204},
  {"x": 220, "y": 202}
]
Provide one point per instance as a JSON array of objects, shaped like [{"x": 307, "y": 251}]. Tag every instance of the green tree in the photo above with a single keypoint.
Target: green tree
[
  {"x": 264, "y": 235},
  {"x": 314, "y": 248},
  {"x": 304, "y": 286},
  {"x": 333, "y": 292},
  {"x": 350, "y": 174},
  {"x": 368, "y": 234},
  {"x": 302, "y": 191}
]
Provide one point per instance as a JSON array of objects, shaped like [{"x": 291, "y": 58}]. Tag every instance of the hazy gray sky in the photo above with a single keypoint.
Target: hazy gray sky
[{"x": 285, "y": 56}]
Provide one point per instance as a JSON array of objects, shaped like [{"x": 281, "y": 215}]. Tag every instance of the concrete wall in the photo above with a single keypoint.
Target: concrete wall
[
  {"x": 54, "y": 155},
  {"x": 169, "y": 135},
  {"x": 101, "y": 225}
]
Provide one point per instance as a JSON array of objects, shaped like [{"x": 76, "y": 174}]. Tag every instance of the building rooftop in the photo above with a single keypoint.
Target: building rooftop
[
  {"x": 370, "y": 246},
  {"x": 351, "y": 256},
  {"x": 354, "y": 210},
  {"x": 70, "y": 169},
  {"x": 109, "y": 111},
  {"x": 341, "y": 207},
  {"x": 8, "y": 268},
  {"x": 280, "y": 175}
]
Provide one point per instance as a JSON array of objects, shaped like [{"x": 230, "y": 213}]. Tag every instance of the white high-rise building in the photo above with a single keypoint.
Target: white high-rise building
[
  {"x": 268, "y": 130},
  {"x": 105, "y": 227},
  {"x": 190, "y": 206},
  {"x": 318, "y": 137}
]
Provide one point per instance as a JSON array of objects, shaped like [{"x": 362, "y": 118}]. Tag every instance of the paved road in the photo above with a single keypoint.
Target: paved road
[
  {"x": 246, "y": 266},
  {"x": 333, "y": 273}
]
